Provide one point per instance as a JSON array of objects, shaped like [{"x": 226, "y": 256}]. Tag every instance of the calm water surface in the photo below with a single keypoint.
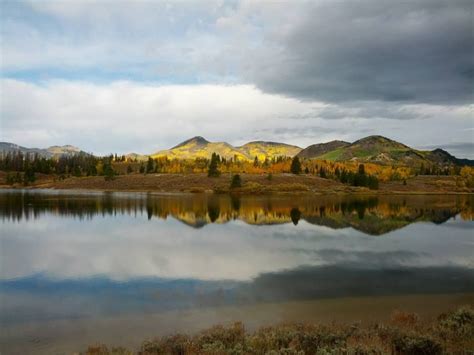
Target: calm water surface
[{"x": 82, "y": 268}]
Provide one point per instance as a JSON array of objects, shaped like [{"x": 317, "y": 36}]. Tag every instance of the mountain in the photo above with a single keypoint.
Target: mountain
[
  {"x": 57, "y": 150},
  {"x": 441, "y": 156},
  {"x": 199, "y": 147},
  {"x": 371, "y": 149},
  {"x": 263, "y": 149},
  {"x": 379, "y": 150},
  {"x": 376, "y": 149},
  {"x": 316, "y": 150},
  {"x": 136, "y": 156},
  {"x": 53, "y": 151},
  {"x": 6, "y": 147},
  {"x": 195, "y": 141}
]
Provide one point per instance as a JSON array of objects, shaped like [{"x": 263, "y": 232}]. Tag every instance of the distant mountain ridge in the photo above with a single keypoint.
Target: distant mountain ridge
[
  {"x": 53, "y": 151},
  {"x": 372, "y": 149}
]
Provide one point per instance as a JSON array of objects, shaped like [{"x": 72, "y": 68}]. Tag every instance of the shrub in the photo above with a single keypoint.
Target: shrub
[
  {"x": 219, "y": 337},
  {"x": 459, "y": 322},
  {"x": 404, "y": 318},
  {"x": 414, "y": 344},
  {"x": 236, "y": 182}
]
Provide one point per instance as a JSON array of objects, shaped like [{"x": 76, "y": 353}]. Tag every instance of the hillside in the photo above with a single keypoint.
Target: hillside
[
  {"x": 263, "y": 149},
  {"x": 316, "y": 150},
  {"x": 53, "y": 151},
  {"x": 372, "y": 149},
  {"x": 377, "y": 149},
  {"x": 63, "y": 150},
  {"x": 199, "y": 147},
  {"x": 380, "y": 150},
  {"x": 6, "y": 147}
]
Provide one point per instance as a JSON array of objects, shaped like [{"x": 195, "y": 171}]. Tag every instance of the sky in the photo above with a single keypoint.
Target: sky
[{"x": 140, "y": 76}]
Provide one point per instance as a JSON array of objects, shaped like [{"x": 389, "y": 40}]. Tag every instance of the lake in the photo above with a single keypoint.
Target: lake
[{"x": 83, "y": 268}]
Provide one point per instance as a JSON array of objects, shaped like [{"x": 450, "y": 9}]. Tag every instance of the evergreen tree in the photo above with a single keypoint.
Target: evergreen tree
[
  {"x": 213, "y": 170},
  {"x": 322, "y": 172},
  {"x": 236, "y": 181},
  {"x": 29, "y": 176},
  {"x": 150, "y": 165},
  {"x": 373, "y": 182},
  {"x": 76, "y": 171},
  {"x": 295, "y": 165},
  {"x": 109, "y": 172},
  {"x": 10, "y": 179}
]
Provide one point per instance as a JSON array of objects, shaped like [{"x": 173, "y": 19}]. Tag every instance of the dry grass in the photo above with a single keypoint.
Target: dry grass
[
  {"x": 425, "y": 183},
  {"x": 406, "y": 333},
  {"x": 251, "y": 184}
]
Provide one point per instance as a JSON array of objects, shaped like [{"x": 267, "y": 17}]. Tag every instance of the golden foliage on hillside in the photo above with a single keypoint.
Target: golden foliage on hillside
[
  {"x": 165, "y": 164},
  {"x": 199, "y": 147}
]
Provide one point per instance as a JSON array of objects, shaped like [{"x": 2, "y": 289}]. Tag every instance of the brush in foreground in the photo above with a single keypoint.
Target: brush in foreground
[{"x": 404, "y": 334}]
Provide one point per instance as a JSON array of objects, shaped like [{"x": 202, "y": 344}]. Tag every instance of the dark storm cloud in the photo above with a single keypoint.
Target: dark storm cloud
[{"x": 408, "y": 51}]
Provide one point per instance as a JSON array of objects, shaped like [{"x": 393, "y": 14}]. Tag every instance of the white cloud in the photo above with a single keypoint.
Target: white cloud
[
  {"x": 235, "y": 251},
  {"x": 124, "y": 116}
]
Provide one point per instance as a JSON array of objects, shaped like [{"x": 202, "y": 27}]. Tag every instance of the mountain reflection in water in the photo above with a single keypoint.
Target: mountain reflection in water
[{"x": 368, "y": 214}]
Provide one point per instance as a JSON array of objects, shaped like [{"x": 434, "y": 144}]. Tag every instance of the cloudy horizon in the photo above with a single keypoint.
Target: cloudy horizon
[{"x": 140, "y": 76}]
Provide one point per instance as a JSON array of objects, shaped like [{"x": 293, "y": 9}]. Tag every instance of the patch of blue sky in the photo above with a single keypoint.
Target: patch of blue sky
[{"x": 144, "y": 74}]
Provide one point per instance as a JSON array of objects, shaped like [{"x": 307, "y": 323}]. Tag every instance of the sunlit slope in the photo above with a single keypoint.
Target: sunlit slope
[
  {"x": 198, "y": 147},
  {"x": 372, "y": 149},
  {"x": 63, "y": 150},
  {"x": 379, "y": 150},
  {"x": 317, "y": 150},
  {"x": 263, "y": 149}
]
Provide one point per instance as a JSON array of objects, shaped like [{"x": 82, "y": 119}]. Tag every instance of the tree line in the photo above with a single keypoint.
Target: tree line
[
  {"x": 359, "y": 178},
  {"x": 23, "y": 168}
]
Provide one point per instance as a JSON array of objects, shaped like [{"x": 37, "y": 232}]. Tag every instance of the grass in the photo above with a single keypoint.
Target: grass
[
  {"x": 251, "y": 184},
  {"x": 332, "y": 155},
  {"x": 405, "y": 333}
]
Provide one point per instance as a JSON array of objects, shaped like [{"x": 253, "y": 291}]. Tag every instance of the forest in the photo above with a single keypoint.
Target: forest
[{"x": 23, "y": 168}]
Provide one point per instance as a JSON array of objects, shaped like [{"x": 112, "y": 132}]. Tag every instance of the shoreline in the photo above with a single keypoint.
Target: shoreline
[
  {"x": 274, "y": 193},
  {"x": 253, "y": 184}
]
